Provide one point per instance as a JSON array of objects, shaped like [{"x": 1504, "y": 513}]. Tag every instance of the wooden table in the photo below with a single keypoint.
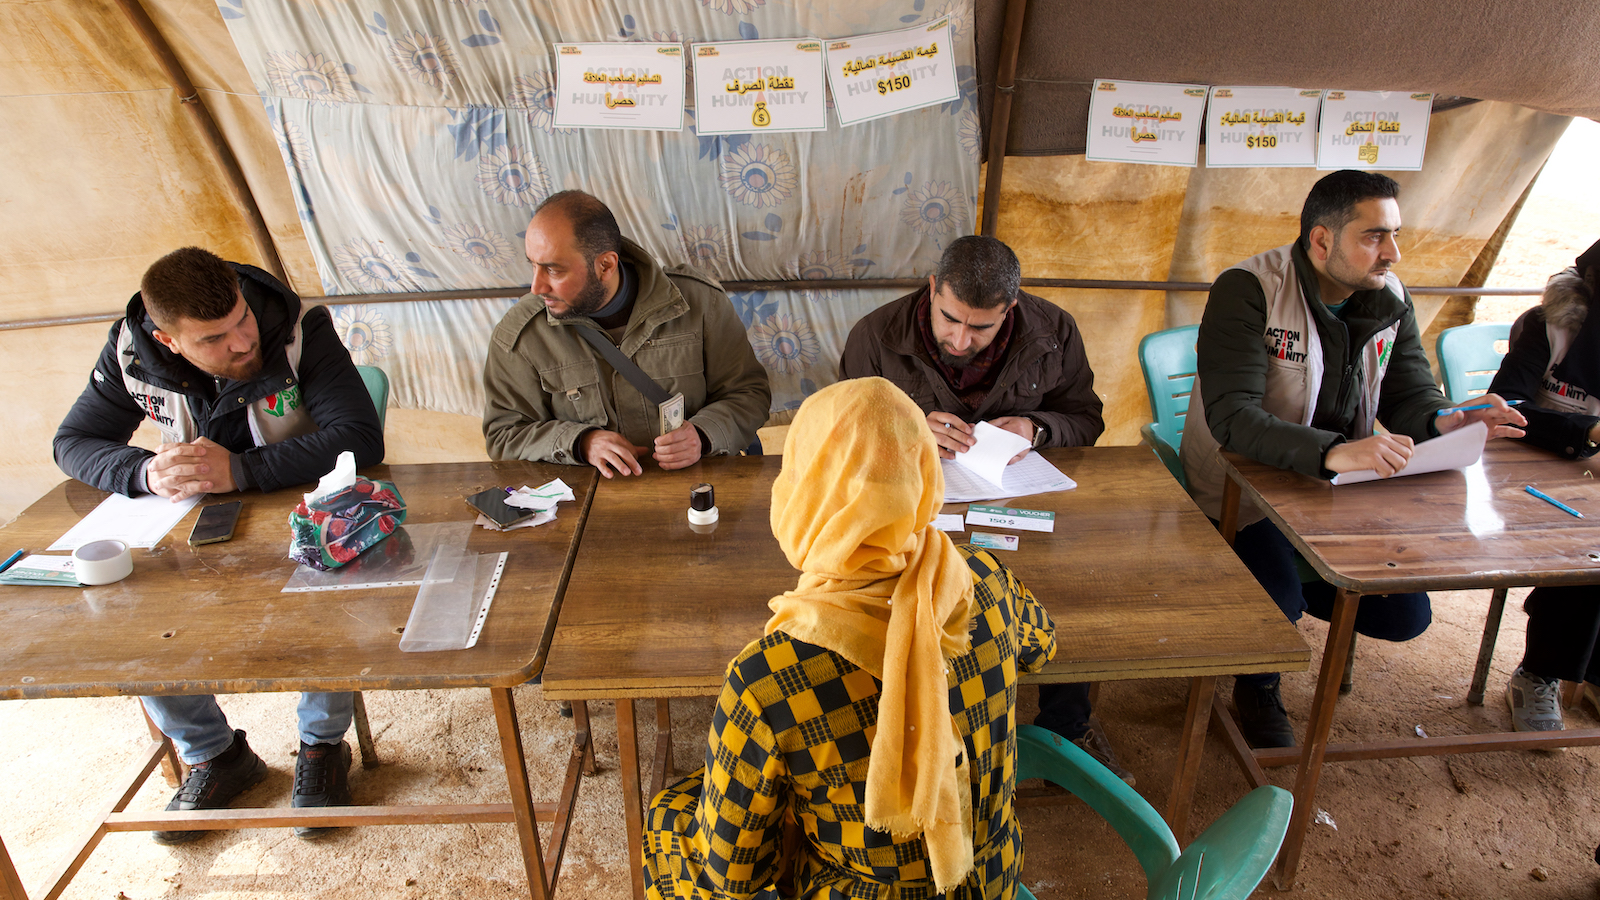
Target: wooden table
[
  {"x": 211, "y": 619},
  {"x": 1472, "y": 528},
  {"x": 1138, "y": 581}
]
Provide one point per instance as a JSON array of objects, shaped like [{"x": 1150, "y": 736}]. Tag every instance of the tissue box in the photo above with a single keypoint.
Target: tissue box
[{"x": 333, "y": 529}]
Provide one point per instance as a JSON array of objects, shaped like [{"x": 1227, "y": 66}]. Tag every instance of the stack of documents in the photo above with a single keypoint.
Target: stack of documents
[
  {"x": 55, "y": 570},
  {"x": 982, "y": 472}
]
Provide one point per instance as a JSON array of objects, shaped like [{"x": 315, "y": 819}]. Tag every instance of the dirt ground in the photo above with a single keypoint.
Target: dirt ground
[
  {"x": 1461, "y": 827},
  {"x": 1495, "y": 825}
]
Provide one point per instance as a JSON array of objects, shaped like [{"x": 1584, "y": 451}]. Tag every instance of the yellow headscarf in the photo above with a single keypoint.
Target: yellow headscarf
[{"x": 853, "y": 510}]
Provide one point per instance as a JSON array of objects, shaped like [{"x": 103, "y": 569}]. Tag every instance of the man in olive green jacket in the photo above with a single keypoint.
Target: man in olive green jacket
[{"x": 551, "y": 396}]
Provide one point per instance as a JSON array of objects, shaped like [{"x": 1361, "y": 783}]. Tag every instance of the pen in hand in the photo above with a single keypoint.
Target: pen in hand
[{"x": 1456, "y": 409}]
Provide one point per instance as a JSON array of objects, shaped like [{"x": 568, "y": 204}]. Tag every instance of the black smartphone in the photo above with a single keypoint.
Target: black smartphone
[
  {"x": 492, "y": 503},
  {"x": 216, "y": 523}
]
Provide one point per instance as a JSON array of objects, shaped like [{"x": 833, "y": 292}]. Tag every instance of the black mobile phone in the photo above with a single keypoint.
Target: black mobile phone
[
  {"x": 492, "y": 503},
  {"x": 216, "y": 523}
]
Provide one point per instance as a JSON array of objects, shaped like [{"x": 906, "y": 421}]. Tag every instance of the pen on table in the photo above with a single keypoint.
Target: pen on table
[
  {"x": 1552, "y": 501},
  {"x": 1456, "y": 409},
  {"x": 11, "y": 560}
]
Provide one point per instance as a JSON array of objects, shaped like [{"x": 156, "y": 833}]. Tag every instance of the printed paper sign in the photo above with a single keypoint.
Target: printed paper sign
[
  {"x": 619, "y": 86},
  {"x": 1373, "y": 130},
  {"x": 877, "y": 75},
  {"x": 1006, "y": 517},
  {"x": 743, "y": 87},
  {"x": 1145, "y": 122},
  {"x": 1266, "y": 127}
]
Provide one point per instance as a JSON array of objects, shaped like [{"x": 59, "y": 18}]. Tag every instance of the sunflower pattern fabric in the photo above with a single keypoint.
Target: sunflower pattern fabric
[
  {"x": 418, "y": 137},
  {"x": 789, "y": 742}
]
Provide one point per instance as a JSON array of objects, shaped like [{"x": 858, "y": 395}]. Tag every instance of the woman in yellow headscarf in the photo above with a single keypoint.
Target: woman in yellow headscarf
[{"x": 878, "y": 714}]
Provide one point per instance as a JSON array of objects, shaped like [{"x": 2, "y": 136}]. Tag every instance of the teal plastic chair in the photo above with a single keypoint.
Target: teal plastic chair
[
  {"x": 1226, "y": 861},
  {"x": 1469, "y": 356},
  {"x": 1167, "y": 358},
  {"x": 378, "y": 386}
]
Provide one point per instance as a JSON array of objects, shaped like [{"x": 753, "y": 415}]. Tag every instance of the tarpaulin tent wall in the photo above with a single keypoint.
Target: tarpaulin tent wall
[{"x": 107, "y": 171}]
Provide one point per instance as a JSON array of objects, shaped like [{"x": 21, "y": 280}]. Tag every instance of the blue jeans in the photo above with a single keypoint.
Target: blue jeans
[
  {"x": 200, "y": 731},
  {"x": 1271, "y": 559}
]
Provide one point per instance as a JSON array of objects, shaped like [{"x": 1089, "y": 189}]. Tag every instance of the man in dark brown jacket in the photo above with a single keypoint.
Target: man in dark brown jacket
[{"x": 973, "y": 347}]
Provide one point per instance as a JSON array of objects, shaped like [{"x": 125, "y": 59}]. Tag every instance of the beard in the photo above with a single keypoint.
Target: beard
[
  {"x": 1341, "y": 271},
  {"x": 243, "y": 367},
  {"x": 589, "y": 300},
  {"x": 954, "y": 361}
]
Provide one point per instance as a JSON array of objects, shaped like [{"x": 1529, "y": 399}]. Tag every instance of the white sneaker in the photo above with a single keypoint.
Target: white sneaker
[{"x": 1535, "y": 702}]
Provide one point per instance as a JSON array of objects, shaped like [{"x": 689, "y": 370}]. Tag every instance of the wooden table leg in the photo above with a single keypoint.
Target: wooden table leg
[
  {"x": 632, "y": 793},
  {"x": 1191, "y": 746},
  {"x": 171, "y": 767},
  {"x": 580, "y": 723},
  {"x": 505, "y": 717},
  {"x": 1491, "y": 633},
  {"x": 1229, "y": 524},
  {"x": 1340, "y": 630},
  {"x": 10, "y": 883},
  {"x": 661, "y": 768}
]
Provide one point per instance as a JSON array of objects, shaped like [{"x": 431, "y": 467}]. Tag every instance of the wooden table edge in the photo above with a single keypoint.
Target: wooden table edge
[{"x": 1290, "y": 661}]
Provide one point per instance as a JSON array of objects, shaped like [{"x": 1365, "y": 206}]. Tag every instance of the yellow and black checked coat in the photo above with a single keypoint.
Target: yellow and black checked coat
[{"x": 790, "y": 737}]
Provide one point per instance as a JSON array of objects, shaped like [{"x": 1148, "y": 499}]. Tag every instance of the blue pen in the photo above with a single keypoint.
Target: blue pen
[
  {"x": 1552, "y": 501},
  {"x": 11, "y": 560},
  {"x": 1456, "y": 409}
]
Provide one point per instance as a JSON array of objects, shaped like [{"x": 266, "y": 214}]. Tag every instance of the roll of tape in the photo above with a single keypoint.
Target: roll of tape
[{"x": 102, "y": 562}]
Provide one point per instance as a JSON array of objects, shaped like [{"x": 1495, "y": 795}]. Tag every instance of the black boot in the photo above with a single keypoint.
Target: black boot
[
  {"x": 321, "y": 778},
  {"x": 213, "y": 784},
  {"x": 1261, "y": 715}
]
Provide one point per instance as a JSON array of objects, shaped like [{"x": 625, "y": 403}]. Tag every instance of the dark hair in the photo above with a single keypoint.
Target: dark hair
[
  {"x": 1332, "y": 201},
  {"x": 190, "y": 283},
  {"x": 593, "y": 225},
  {"x": 982, "y": 272}
]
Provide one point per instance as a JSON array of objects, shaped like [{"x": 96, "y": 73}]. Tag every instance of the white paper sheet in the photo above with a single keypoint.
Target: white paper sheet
[
  {"x": 619, "y": 85},
  {"x": 135, "y": 521},
  {"x": 746, "y": 87},
  {"x": 1454, "y": 450},
  {"x": 877, "y": 75},
  {"x": 543, "y": 497},
  {"x": 1145, "y": 122},
  {"x": 994, "y": 448},
  {"x": 949, "y": 523},
  {"x": 1260, "y": 127},
  {"x": 1385, "y": 130},
  {"x": 1033, "y": 475}
]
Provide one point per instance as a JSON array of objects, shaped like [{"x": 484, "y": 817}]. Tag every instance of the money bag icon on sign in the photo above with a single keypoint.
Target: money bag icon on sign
[{"x": 762, "y": 118}]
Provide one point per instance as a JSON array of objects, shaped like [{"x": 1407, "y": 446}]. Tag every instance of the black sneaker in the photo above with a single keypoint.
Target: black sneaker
[
  {"x": 321, "y": 778},
  {"x": 213, "y": 784},
  {"x": 1262, "y": 718}
]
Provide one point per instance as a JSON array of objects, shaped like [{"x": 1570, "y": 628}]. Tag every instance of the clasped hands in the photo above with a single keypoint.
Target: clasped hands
[
  {"x": 955, "y": 436},
  {"x": 1388, "y": 453},
  {"x": 611, "y": 453},
  {"x": 181, "y": 471}
]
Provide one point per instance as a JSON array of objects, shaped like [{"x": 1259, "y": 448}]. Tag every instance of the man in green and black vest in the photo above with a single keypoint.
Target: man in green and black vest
[
  {"x": 1302, "y": 349},
  {"x": 250, "y": 389}
]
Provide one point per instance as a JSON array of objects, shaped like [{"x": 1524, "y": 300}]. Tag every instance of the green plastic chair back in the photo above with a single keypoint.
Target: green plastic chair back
[
  {"x": 378, "y": 386},
  {"x": 1168, "y": 361},
  {"x": 1225, "y": 862},
  {"x": 1469, "y": 356}
]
